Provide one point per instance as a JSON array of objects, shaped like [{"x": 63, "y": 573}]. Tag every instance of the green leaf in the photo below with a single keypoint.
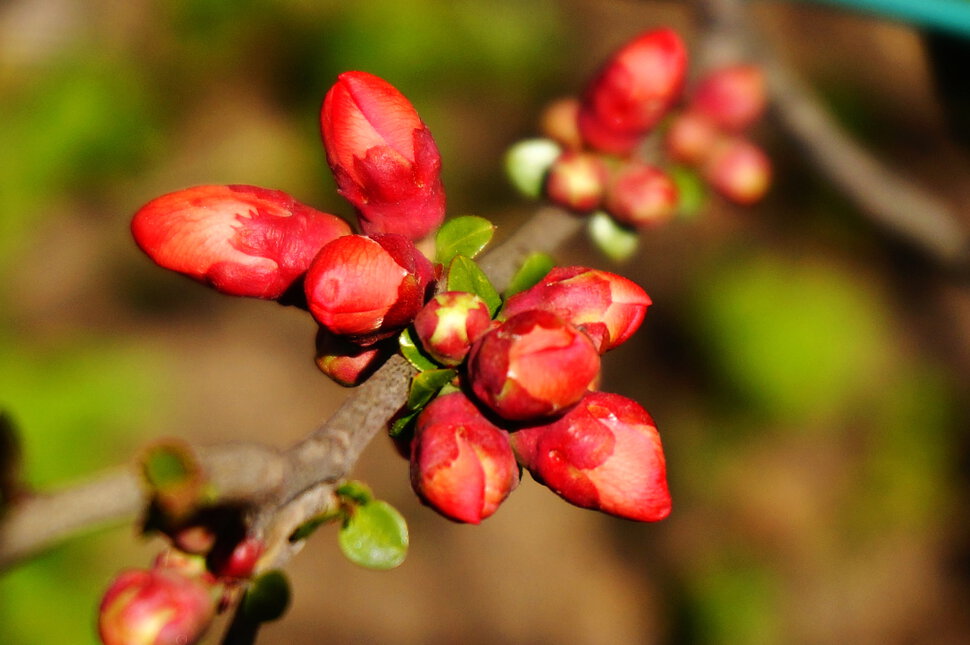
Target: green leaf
[
  {"x": 267, "y": 597},
  {"x": 305, "y": 530},
  {"x": 426, "y": 384},
  {"x": 617, "y": 242},
  {"x": 466, "y": 236},
  {"x": 169, "y": 464},
  {"x": 534, "y": 269},
  {"x": 465, "y": 275},
  {"x": 401, "y": 424},
  {"x": 413, "y": 353},
  {"x": 527, "y": 162},
  {"x": 375, "y": 536},
  {"x": 691, "y": 191},
  {"x": 355, "y": 491}
]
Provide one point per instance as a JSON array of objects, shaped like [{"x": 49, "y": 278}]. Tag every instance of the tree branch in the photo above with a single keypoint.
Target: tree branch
[
  {"x": 889, "y": 199},
  {"x": 284, "y": 488}
]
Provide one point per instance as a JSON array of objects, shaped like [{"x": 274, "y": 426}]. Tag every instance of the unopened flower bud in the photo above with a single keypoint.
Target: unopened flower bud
[
  {"x": 346, "y": 362},
  {"x": 461, "y": 464},
  {"x": 449, "y": 324},
  {"x": 237, "y": 560},
  {"x": 603, "y": 454},
  {"x": 533, "y": 365},
  {"x": 559, "y": 122},
  {"x": 527, "y": 162},
  {"x": 367, "y": 288},
  {"x": 633, "y": 91},
  {"x": 641, "y": 195},
  {"x": 607, "y": 306},
  {"x": 732, "y": 97},
  {"x": 383, "y": 157},
  {"x": 739, "y": 170},
  {"x": 691, "y": 138},
  {"x": 155, "y": 607},
  {"x": 576, "y": 181},
  {"x": 241, "y": 240}
]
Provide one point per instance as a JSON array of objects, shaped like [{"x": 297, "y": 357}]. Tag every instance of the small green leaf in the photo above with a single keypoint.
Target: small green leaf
[
  {"x": 267, "y": 597},
  {"x": 691, "y": 191},
  {"x": 305, "y": 530},
  {"x": 466, "y": 236},
  {"x": 355, "y": 491},
  {"x": 465, "y": 275},
  {"x": 401, "y": 424},
  {"x": 617, "y": 242},
  {"x": 169, "y": 464},
  {"x": 411, "y": 351},
  {"x": 426, "y": 384},
  {"x": 527, "y": 162},
  {"x": 375, "y": 536},
  {"x": 534, "y": 269}
]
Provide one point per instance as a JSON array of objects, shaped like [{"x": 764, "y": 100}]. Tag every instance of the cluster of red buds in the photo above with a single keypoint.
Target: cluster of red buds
[
  {"x": 525, "y": 396},
  {"x": 176, "y": 599},
  {"x": 608, "y": 141}
]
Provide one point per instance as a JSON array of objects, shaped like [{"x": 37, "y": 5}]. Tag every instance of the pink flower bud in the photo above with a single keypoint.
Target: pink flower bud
[
  {"x": 641, "y": 195},
  {"x": 241, "y": 240},
  {"x": 461, "y": 464},
  {"x": 449, "y": 324},
  {"x": 603, "y": 454},
  {"x": 559, "y": 123},
  {"x": 156, "y": 607},
  {"x": 732, "y": 97},
  {"x": 633, "y": 91},
  {"x": 383, "y": 157},
  {"x": 576, "y": 181},
  {"x": 739, "y": 170},
  {"x": 367, "y": 288},
  {"x": 691, "y": 138},
  {"x": 607, "y": 306},
  {"x": 533, "y": 365},
  {"x": 237, "y": 561},
  {"x": 346, "y": 362}
]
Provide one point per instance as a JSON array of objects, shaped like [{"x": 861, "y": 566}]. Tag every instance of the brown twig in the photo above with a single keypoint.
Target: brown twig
[{"x": 889, "y": 199}]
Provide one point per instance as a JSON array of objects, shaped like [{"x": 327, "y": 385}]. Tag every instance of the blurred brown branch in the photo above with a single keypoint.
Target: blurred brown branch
[{"x": 889, "y": 199}]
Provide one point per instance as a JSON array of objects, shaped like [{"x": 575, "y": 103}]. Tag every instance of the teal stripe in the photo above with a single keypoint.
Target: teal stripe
[{"x": 947, "y": 15}]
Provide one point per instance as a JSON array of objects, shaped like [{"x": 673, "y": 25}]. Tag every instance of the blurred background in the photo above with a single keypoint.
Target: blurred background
[{"x": 807, "y": 372}]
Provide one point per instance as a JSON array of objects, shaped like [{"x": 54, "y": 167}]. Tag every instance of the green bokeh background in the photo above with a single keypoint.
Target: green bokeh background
[{"x": 807, "y": 372}]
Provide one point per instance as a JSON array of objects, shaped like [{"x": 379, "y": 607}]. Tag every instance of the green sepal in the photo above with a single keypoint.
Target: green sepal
[
  {"x": 465, "y": 275},
  {"x": 355, "y": 491},
  {"x": 534, "y": 269},
  {"x": 691, "y": 191},
  {"x": 375, "y": 536},
  {"x": 466, "y": 235},
  {"x": 267, "y": 597},
  {"x": 426, "y": 384},
  {"x": 616, "y": 241},
  {"x": 412, "y": 352}
]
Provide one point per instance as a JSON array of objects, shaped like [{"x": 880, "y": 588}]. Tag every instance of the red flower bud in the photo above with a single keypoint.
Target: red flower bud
[
  {"x": 607, "y": 306},
  {"x": 156, "y": 607},
  {"x": 533, "y": 365},
  {"x": 383, "y": 157},
  {"x": 739, "y": 170},
  {"x": 461, "y": 464},
  {"x": 603, "y": 454},
  {"x": 732, "y": 97},
  {"x": 641, "y": 195},
  {"x": 368, "y": 288},
  {"x": 346, "y": 362},
  {"x": 449, "y": 324},
  {"x": 559, "y": 123},
  {"x": 239, "y": 561},
  {"x": 633, "y": 91},
  {"x": 242, "y": 240},
  {"x": 576, "y": 181},
  {"x": 691, "y": 138}
]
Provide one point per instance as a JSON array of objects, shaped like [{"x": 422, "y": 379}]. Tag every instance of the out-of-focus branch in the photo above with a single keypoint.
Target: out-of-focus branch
[
  {"x": 889, "y": 199},
  {"x": 284, "y": 488}
]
